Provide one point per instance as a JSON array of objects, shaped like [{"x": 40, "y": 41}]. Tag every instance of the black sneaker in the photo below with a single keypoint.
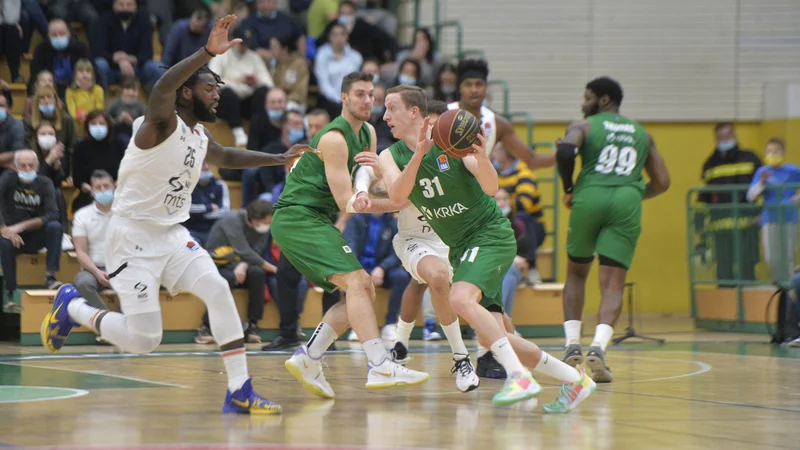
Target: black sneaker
[
  {"x": 50, "y": 282},
  {"x": 281, "y": 343},
  {"x": 252, "y": 334},
  {"x": 400, "y": 353},
  {"x": 488, "y": 367}
]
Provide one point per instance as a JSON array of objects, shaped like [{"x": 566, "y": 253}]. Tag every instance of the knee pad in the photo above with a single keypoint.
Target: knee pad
[
  {"x": 145, "y": 335},
  {"x": 226, "y": 325}
]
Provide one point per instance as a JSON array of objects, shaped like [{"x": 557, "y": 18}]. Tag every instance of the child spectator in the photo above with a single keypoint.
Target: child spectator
[
  {"x": 43, "y": 79},
  {"x": 84, "y": 95},
  {"x": 125, "y": 109}
]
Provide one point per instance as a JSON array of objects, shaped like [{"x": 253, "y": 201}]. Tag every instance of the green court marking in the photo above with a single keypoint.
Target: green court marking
[
  {"x": 21, "y": 375},
  {"x": 21, "y": 394}
]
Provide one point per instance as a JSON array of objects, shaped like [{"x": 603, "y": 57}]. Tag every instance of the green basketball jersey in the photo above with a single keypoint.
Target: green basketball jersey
[
  {"x": 307, "y": 184},
  {"x": 448, "y": 195},
  {"x": 614, "y": 153}
]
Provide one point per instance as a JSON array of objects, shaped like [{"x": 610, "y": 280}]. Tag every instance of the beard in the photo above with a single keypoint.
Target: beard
[
  {"x": 202, "y": 112},
  {"x": 358, "y": 114},
  {"x": 590, "y": 111}
]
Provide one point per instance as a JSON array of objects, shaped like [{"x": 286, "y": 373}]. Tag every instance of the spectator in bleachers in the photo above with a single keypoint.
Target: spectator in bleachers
[
  {"x": 247, "y": 81},
  {"x": 89, "y": 237},
  {"x": 334, "y": 61},
  {"x": 126, "y": 108},
  {"x": 382, "y": 18},
  {"x": 28, "y": 220},
  {"x": 289, "y": 71},
  {"x": 368, "y": 40},
  {"x": 422, "y": 52},
  {"x": 292, "y": 132},
  {"x": 84, "y": 95},
  {"x": 320, "y": 14},
  {"x": 47, "y": 110},
  {"x": 187, "y": 36},
  {"x": 11, "y": 37},
  {"x": 526, "y": 203},
  {"x": 408, "y": 74},
  {"x": 122, "y": 44},
  {"x": 268, "y": 23},
  {"x": 51, "y": 165},
  {"x": 12, "y": 136},
  {"x": 445, "y": 84},
  {"x": 526, "y": 252},
  {"x": 58, "y": 55},
  {"x": 43, "y": 79},
  {"x": 210, "y": 201},
  {"x": 370, "y": 237},
  {"x": 99, "y": 150},
  {"x": 382, "y": 130},
  {"x": 371, "y": 66},
  {"x": 236, "y": 242},
  {"x": 83, "y": 11},
  {"x": 32, "y": 17}
]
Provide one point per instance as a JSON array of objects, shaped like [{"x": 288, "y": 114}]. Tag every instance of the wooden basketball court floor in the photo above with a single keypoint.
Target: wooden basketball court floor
[{"x": 700, "y": 390}]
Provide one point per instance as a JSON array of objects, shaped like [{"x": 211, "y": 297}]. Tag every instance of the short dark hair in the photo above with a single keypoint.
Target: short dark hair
[
  {"x": 412, "y": 96},
  {"x": 319, "y": 112},
  {"x": 353, "y": 77},
  {"x": 475, "y": 67},
  {"x": 285, "y": 118},
  {"x": 722, "y": 125},
  {"x": 100, "y": 173},
  {"x": 606, "y": 86},
  {"x": 259, "y": 209},
  {"x": 130, "y": 83},
  {"x": 349, "y": 3},
  {"x": 202, "y": 13},
  {"x": 777, "y": 141},
  {"x": 437, "y": 107}
]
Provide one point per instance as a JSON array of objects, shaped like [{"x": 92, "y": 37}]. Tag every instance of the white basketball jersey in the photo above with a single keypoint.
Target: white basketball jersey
[
  {"x": 156, "y": 185},
  {"x": 489, "y": 124}
]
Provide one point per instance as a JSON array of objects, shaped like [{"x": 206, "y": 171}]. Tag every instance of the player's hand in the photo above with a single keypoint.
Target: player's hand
[
  {"x": 567, "y": 201},
  {"x": 240, "y": 272},
  {"x": 298, "y": 150},
  {"x": 362, "y": 202},
  {"x": 479, "y": 149},
  {"x": 218, "y": 42},
  {"x": 764, "y": 176},
  {"x": 377, "y": 276},
  {"x": 369, "y": 159},
  {"x": 423, "y": 143}
]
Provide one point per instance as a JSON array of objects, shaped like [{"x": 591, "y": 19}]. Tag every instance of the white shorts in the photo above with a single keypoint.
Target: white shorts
[
  {"x": 141, "y": 257},
  {"x": 411, "y": 249}
]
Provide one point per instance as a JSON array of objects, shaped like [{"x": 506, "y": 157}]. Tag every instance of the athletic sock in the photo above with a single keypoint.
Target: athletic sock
[
  {"x": 322, "y": 338},
  {"x": 557, "y": 369},
  {"x": 236, "y": 367},
  {"x": 453, "y": 334},
  {"x": 482, "y": 350},
  {"x": 376, "y": 351},
  {"x": 404, "y": 330},
  {"x": 81, "y": 312},
  {"x": 572, "y": 331},
  {"x": 504, "y": 353},
  {"x": 602, "y": 334}
]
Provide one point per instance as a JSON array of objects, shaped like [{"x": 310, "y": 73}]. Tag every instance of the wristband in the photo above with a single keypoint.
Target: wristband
[{"x": 205, "y": 47}]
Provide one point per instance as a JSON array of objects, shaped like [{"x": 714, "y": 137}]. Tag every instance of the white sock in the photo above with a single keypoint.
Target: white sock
[
  {"x": 602, "y": 334},
  {"x": 482, "y": 350},
  {"x": 453, "y": 334},
  {"x": 572, "y": 330},
  {"x": 236, "y": 367},
  {"x": 322, "y": 338},
  {"x": 376, "y": 352},
  {"x": 404, "y": 330},
  {"x": 82, "y": 313},
  {"x": 557, "y": 369},
  {"x": 506, "y": 357}
]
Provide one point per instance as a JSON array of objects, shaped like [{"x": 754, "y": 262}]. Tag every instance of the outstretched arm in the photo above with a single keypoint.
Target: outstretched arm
[
  {"x": 656, "y": 169},
  {"x": 236, "y": 158},
  {"x": 567, "y": 151},
  {"x": 514, "y": 145}
]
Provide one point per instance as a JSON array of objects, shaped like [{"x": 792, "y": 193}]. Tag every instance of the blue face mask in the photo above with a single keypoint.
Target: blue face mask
[
  {"x": 47, "y": 110},
  {"x": 104, "y": 197},
  {"x": 724, "y": 146},
  {"x": 271, "y": 15},
  {"x": 296, "y": 135},
  {"x": 377, "y": 109},
  {"x": 346, "y": 20},
  {"x": 275, "y": 114},
  {"x": 447, "y": 90},
  {"x": 3, "y": 114},
  {"x": 206, "y": 175},
  {"x": 99, "y": 132},
  {"x": 405, "y": 79},
  {"x": 59, "y": 42},
  {"x": 497, "y": 165},
  {"x": 26, "y": 177}
]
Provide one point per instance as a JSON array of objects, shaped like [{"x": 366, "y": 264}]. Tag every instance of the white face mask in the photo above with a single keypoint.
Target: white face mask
[
  {"x": 263, "y": 228},
  {"x": 47, "y": 141}
]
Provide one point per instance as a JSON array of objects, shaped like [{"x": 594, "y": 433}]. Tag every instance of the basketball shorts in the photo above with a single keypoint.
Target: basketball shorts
[
  {"x": 312, "y": 244},
  {"x": 141, "y": 257},
  {"x": 484, "y": 259},
  {"x": 411, "y": 249},
  {"x": 606, "y": 221}
]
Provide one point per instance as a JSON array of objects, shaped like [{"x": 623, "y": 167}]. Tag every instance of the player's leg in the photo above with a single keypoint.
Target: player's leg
[{"x": 409, "y": 308}]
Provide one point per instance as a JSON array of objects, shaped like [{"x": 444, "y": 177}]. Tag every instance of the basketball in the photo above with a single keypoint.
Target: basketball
[{"x": 456, "y": 131}]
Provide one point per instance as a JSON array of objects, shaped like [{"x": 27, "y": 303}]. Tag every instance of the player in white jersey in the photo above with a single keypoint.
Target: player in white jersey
[{"x": 147, "y": 247}]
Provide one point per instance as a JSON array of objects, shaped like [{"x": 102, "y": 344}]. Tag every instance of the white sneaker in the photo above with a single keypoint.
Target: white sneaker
[
  {"x": 389, "y": 374},
  {"x": 389, "y": 334},
  {"x": 466, "y": 378},
  {"x": 308, "y": 371},
  {"x": 66, "y": 243},
  {"x": 239, "y": 137},
  {"x": 352, "y": 337},
  {"x": 533, "y": 277}
]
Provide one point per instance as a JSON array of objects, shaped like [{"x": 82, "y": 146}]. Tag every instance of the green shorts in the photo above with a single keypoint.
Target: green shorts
[
  {"x": 484, "y": 260},
  {"x": 312, "y": 244},
  {"x": 606, "y": 221}
]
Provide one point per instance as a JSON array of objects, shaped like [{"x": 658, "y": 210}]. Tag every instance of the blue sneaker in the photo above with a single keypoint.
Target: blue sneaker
[
  {"x": 247, "y": 401},
  {"x": 57, "y": 323},
  {"x": 429, "y": 333}
]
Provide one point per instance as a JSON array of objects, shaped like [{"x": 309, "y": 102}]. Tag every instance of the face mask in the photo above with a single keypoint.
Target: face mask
[
  {"x": 497, "y": 165},
  {"x": 26, "y": 177},
  {"x": 275, "y": 114},
  {"x": 773, "y": 160},
  {"x": 375, "y": 77},
  {"x": 125, "y": 15},
  {"x": 296, "y": 135},
  {"x": 59, "y": 42},
  {"x": 46, "y": 141},
  {"x": 263, "y": 228},
  {"x": 47, "y": 110},
  {"x": 3, "y": 114},
  {"x": 506, "y": 210},
  {"x": 206, "y": 175},
  {"x": 271, "y": 15},
  {"x": 377, "y": 109},
  {"x": 346, "y": 20},
  {"x": 405, "y": 79},
  {"x": 99, "y": 132},
  {"x": 724, "y": 146},
  {"x": 104, "y": 197},
  {"x": 447, "y": 90}
]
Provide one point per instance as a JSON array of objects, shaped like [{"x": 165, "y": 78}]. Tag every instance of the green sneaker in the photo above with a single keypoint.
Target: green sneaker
[
  {"x": 519, "y": 386},
  {"x": 571, "y": 395}
]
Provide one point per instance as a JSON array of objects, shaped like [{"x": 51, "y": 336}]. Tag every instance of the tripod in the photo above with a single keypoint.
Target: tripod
[{"x": 630, "y": 332}]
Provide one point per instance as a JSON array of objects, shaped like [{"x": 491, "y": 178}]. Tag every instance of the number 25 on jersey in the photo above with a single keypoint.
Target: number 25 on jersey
[{"x": 613, "y": 159}]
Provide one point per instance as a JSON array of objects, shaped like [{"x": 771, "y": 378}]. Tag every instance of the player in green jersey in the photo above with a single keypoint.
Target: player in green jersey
[
  {"x": 316, "y": 188},
  {"x": 455, "y": 195},
  {"x": 606, "y": 205}
]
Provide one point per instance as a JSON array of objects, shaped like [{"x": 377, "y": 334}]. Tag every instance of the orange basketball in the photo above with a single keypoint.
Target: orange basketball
[{"x": 455, "y": 132}]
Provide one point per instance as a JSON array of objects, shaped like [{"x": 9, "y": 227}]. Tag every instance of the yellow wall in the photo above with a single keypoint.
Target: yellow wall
[{"x": 660, "y": 267}]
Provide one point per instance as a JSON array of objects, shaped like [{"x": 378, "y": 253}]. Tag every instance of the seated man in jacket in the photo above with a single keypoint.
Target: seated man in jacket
[
  {"x": 210, "y": 201},
  {"x": 370, "y": 238},
  {"x": 236, "y": 242}
]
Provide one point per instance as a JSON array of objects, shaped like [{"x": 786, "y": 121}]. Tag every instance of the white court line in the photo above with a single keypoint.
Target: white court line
[
  {"x": 75, "y": 393},
  {"x": 734, "y": 355},
  {"x": 97, "y": 372}
]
